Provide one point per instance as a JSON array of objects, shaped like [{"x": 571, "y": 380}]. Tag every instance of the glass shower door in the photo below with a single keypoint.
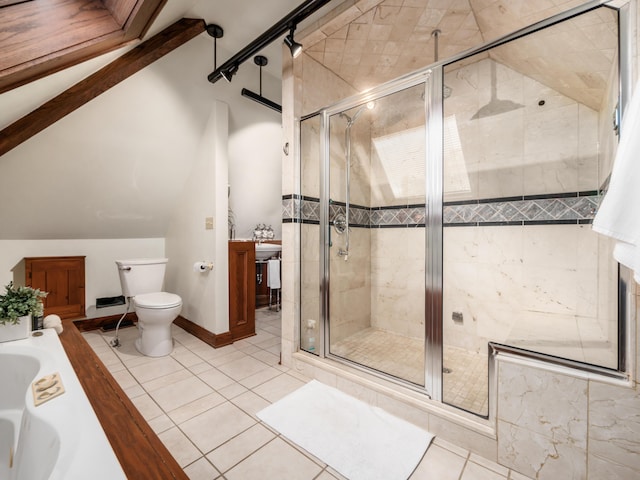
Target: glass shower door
[{"x": 376, "y": 251}]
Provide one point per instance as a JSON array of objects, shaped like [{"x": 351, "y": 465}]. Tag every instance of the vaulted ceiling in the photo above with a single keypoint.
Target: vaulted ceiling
[
  {"x": 131, "y": 130},
  {"x": 396, "y": 37}
]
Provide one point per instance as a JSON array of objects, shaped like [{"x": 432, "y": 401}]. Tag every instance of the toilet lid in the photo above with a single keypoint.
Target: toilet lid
[{"x": 157, "y": 300}]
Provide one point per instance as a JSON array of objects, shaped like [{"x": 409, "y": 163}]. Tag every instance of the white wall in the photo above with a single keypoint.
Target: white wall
[
  {"x": 119, "y": 166},
  {"x": 255, "y": 151},
  {"x": 255, "y": 173},
  {"x": 101, "y": 274},
  {"x": 204, "y": 295}
]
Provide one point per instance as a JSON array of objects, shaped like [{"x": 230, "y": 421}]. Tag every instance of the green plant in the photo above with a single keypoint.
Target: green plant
[{"x": 19, "y": 301}]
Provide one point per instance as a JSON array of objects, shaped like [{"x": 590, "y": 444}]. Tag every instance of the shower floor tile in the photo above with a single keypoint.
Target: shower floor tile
[
  {"x": 466, "y": 385},
  {"x": 388, "y": 352},
  {"x": 465, "y": 382}
]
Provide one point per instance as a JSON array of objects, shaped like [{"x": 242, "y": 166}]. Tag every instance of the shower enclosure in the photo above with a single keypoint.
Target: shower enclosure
[{"x": 437, "y": 229}]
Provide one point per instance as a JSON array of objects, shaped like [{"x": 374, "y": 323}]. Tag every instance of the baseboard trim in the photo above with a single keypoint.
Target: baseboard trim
[{"x": 216, "y": 340}]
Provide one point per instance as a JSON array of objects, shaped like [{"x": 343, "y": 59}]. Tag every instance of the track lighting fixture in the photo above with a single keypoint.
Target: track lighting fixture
[
  {"x": 286, "y": 24},
  {"x": 216, "y": 32},
  {"x": 294, "y": 47},
  {"x": 261, "y": 61},
  {"x": 229, "y": 72}
]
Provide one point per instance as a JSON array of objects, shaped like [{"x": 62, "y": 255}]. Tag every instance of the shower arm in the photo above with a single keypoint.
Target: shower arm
[{"x": 347, "y": 140}]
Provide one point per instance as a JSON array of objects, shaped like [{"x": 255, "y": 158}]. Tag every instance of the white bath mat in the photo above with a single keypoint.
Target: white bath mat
[{"x": 359, "y": 441}]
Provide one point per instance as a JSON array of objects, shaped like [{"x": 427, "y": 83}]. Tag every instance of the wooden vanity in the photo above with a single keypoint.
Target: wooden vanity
[
  {"x": 245, "y": 293},
  {"x": 242, "y": 289}
]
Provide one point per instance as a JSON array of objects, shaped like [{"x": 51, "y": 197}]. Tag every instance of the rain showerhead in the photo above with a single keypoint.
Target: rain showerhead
[{"x": 495, "y": 106}]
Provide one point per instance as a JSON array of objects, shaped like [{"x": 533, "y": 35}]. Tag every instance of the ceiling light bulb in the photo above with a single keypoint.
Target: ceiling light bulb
[
  {"x": 294, "y": 47},
  {"x": 229, "y": 73}
]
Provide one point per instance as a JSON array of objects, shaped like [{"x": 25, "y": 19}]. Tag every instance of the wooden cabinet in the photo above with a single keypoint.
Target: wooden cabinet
[
  {"x": 242, "y": 289},
  {"x": 63, "y": 278}
]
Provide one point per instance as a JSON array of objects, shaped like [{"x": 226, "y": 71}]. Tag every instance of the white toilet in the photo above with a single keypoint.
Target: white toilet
[{"x": 142, "y": 279}]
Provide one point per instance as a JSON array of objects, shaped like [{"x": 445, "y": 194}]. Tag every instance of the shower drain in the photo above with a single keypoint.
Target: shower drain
[{"x": 446, "y": 370}]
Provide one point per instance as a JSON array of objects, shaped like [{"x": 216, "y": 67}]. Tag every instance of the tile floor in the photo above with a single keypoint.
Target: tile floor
[{"x": 202, "y": 403}]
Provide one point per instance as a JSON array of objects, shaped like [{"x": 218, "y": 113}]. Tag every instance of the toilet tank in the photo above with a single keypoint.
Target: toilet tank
[{"x": 144, "y": 275}]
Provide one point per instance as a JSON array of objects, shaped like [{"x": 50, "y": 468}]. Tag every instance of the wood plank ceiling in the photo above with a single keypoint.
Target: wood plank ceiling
[{"x": 41, "y": 37}]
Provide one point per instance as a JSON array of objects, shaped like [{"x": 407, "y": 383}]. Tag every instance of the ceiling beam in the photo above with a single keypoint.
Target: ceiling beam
[{"x": 82, "y": 92}]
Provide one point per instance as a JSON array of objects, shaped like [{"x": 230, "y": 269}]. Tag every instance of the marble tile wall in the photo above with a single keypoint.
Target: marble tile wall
[
  {"x": 553, "y": 424},
  {"x": 536, "y": 287},
  {"x": 542, "y": 422},
  {"x": 350, "y": 291},
  {"x": 310, "y": 287},
  {"x": 546, "y": 144},
  {"x": 398, "y": 280}
]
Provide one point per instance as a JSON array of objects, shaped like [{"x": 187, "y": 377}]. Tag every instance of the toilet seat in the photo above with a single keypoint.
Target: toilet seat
[{"x": 157, "y": 300}]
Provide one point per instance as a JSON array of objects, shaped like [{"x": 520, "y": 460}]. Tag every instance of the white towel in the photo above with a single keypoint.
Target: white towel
[
  {"x": 273, "y": 274},
  {"x": 53, "y": 321},
  {"x": 618, "y": 215}
]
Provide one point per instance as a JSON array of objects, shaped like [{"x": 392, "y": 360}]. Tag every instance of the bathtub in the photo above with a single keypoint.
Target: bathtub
[{"x": 59, "y": 439}]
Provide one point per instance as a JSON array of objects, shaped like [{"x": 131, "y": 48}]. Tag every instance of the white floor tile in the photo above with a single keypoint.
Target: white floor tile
[
  {"x": 180, "y": 447},
  {"x": 280, "y": 386},
  {"x": 240, "y": 447},
  {"x": 216, "y": 426},
  {"x": 277, "y": 459},
  {"x": 203, "y": 401},
  {"x": 157, "y": 368},
  {"x": 147, "y": 407},
  {"x": 473, "y": 471},
  {"x": 196, "y": 407},
  {"x": 215, "y": 378},
  {"x": 250, "y": 403},
  {"x": 243, "y": 367},
  {"x": 439, "y": 464},
  {"x": 180, "y": 393},
  {"x": 201, "y": 469},
  {"x": 161, "y": 423}
]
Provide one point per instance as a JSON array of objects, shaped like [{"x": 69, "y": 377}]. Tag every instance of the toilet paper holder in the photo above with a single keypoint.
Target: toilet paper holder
[{"x": 202, "y": 267}]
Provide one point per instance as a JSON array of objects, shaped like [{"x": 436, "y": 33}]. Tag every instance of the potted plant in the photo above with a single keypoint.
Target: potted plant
[{"x": 17, "y": 306}]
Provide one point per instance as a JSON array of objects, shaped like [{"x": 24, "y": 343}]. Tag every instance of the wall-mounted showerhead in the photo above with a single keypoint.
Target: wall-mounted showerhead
[{"x": 351, "y": 120}]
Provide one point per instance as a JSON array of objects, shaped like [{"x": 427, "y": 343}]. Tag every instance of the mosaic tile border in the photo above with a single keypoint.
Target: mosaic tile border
[{"x": 555, "y": 209}]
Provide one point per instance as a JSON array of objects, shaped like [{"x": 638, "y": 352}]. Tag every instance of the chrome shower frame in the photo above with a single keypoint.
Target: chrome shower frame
[
  {"x": 433, "y": 79},
  {"x": 433, "y": 345}
]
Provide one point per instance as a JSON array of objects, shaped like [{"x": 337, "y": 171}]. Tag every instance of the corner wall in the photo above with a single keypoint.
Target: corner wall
[{"x": 189, "y": 238}]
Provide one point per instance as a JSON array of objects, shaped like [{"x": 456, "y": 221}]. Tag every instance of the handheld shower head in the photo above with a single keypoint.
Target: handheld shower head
[{"x": 351, "y": 120}]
